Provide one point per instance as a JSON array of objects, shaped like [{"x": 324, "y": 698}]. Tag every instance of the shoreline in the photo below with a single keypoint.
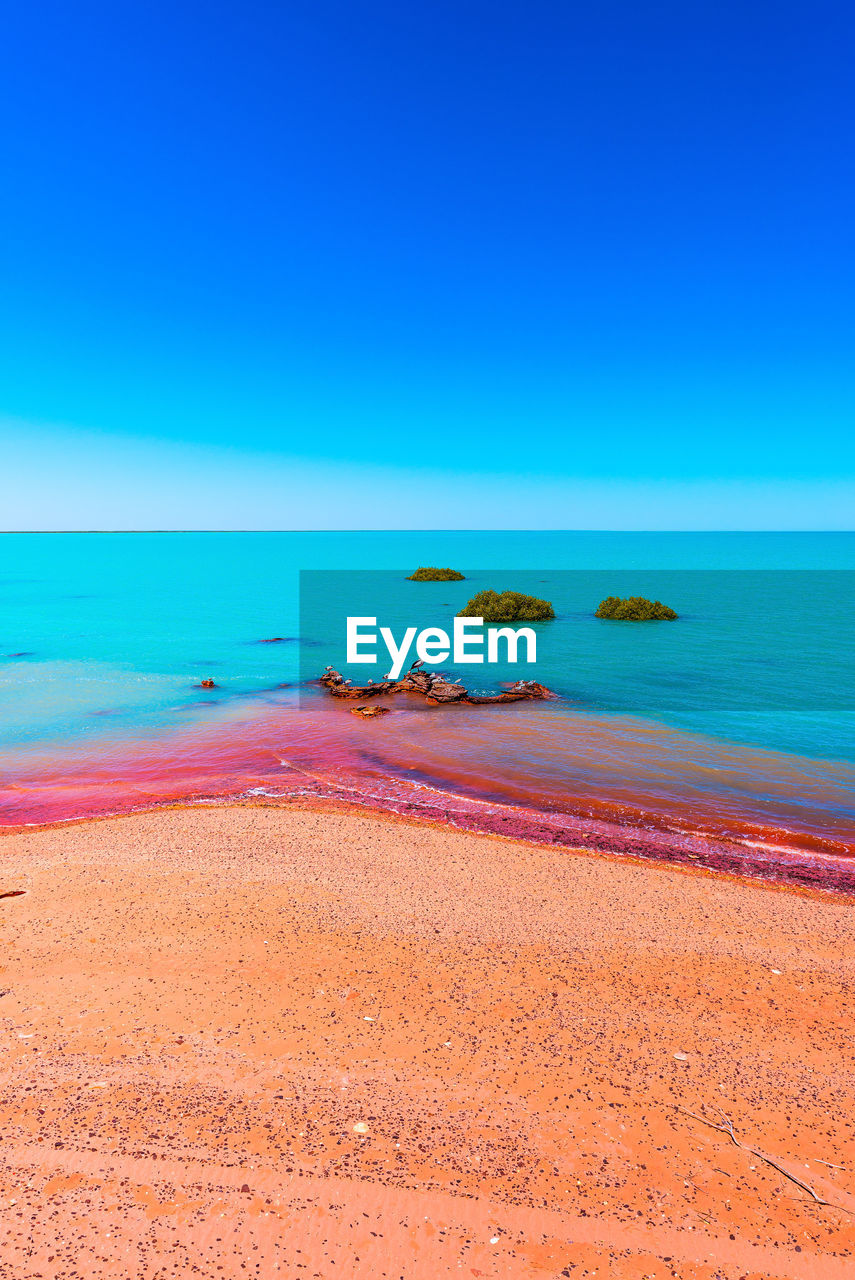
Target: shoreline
[
  {"x": 788, "y": 867},
  {"x": 203, "y": 1002},
  {"x": 332, "y": 805}
]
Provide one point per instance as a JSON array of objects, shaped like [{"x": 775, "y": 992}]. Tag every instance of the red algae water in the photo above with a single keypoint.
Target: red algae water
[
  {"x": 140, "y": 670},
  {"x": 551, "y": 775}
]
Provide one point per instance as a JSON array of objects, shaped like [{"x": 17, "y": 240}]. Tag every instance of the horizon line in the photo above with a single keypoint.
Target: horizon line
[{"x": 432, "y": 529}]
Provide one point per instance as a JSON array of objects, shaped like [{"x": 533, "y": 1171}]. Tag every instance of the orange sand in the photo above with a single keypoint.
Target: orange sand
[{"x": 200, "y": 1006}]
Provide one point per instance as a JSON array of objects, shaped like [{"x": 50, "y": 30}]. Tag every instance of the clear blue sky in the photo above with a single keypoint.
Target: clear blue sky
[{"x": 261, "y": 265}]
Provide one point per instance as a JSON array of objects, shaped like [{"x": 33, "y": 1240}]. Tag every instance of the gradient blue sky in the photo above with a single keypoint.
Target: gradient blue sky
[{"x": 343, "y": 265}]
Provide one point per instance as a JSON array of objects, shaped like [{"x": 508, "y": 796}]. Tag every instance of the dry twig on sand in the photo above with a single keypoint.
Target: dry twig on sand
[{"x": 727, "y": 1128}]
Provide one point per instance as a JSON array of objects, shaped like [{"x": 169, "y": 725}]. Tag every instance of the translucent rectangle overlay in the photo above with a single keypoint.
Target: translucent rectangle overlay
[{"x": 745, "y": 642}]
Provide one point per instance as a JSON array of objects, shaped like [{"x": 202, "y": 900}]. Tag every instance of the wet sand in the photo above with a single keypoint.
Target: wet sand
[{"x": 253, "y": 1041}]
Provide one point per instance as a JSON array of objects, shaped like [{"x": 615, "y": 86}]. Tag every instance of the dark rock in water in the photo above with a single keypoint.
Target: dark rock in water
[
  {"x": 206, "y": 684},
  {"x": 531, "y": 689},
  {"x": 369, "y": 713},
  {"x": 335, "y": 682},
  {"x": 433, "y": 687},
  {"x": 275, "y": 640},
  {"x": 522, "y": 691},
  {"x": 443, "y": 691},
  {"x": 416, "y": 682}
]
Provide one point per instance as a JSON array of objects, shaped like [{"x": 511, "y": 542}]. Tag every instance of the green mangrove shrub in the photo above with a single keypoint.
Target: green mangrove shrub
[
  {"x": 507, "y": 606},
  {"x": 435, "y": 575},
  {"x": 634, "y": 609}
]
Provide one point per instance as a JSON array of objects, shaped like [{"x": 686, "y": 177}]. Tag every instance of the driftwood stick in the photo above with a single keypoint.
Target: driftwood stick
[{"x": 727, "y": 1128}]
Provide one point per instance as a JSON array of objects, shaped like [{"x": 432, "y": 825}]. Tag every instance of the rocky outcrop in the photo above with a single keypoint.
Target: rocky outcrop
[
  {"x": 522, "y": 691},
  {"x": 441, "y": 690},
  {"x": 336, "y": 684},
  {"x": 432, "y": 686}
]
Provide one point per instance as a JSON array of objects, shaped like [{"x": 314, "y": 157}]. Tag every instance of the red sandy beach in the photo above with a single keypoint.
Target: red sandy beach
[{"x": 256, "y": 1041}]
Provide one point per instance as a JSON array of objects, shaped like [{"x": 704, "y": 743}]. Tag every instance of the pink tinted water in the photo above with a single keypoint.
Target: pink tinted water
[{"x": 615, "y": 783}]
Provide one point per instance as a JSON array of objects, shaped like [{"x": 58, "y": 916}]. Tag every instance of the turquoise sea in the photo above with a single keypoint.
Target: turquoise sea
[{"x": 738, "y": 718}]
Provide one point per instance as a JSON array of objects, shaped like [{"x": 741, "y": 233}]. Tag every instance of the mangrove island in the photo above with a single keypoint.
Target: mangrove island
[
  {"x": 431, "y": 574},
  {"x": 634, "y": 609},
  {"x": 507, "y": 606}
]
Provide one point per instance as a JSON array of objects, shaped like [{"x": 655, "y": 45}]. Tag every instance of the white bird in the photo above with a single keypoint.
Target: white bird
[
  {"x": 389, "y": 676},
  {"x": 416, "y": 665}
]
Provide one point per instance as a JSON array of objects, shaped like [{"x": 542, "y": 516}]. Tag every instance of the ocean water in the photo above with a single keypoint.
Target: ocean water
[{"x": 736, "y": 722}]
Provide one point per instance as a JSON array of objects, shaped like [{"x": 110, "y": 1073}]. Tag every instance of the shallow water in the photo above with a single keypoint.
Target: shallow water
[{"x": 734, "y": 723}]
